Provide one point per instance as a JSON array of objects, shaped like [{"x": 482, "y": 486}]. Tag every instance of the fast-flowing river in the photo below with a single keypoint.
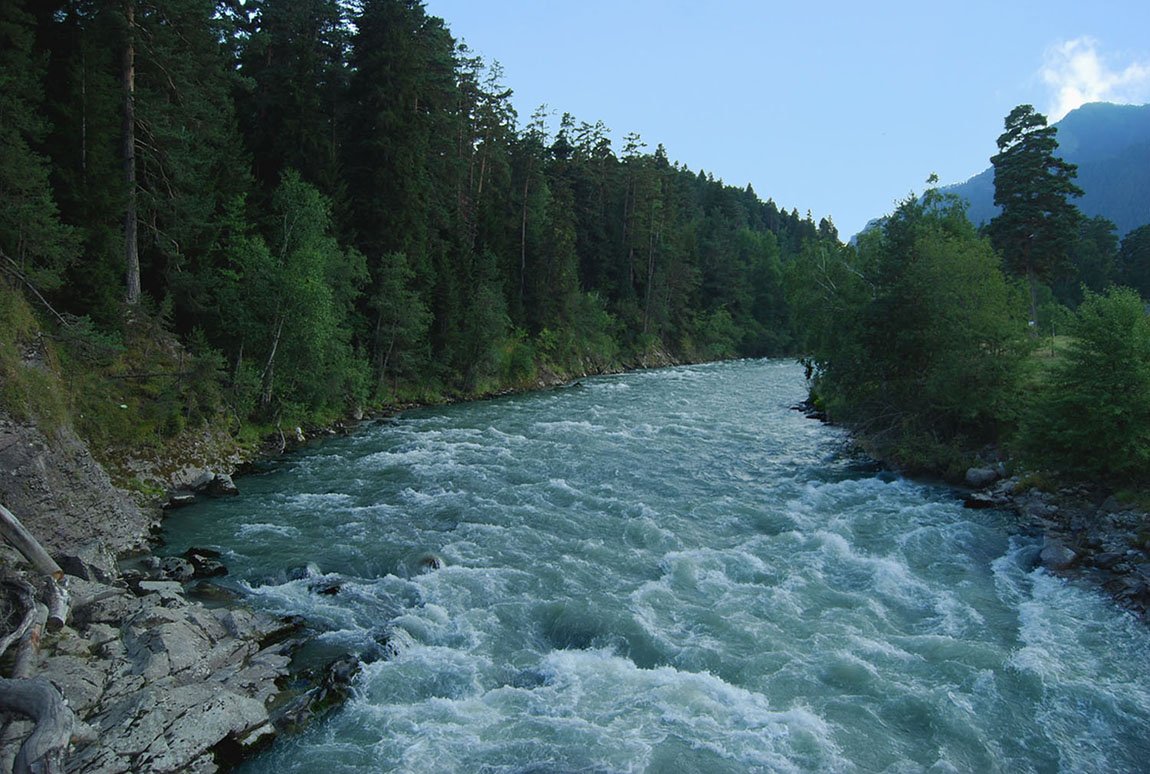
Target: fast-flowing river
[{"x": 670, "y": 571}]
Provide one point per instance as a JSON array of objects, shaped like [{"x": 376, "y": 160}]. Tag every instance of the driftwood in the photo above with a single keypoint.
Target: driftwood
[
  {"x": 14, "y": 532},
  {"x": 40, "y": 701},
  {"x": 58, "y": 604},
  {"x": 35, "y": 697},
  {"x": 57, "y": 591},
  {"x": 27, "y": 598}
]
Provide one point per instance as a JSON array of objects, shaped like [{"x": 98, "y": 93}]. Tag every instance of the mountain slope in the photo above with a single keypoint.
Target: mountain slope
[{"x": 1111, "y": 146}]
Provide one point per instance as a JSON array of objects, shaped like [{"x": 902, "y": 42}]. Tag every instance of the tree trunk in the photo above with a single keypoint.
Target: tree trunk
[
  {"x": 269, "y": 368},
  {"x": 131, "y": 244},
  {"x": 1032, "y": 281},
  {"x": 523, "y": 238}
]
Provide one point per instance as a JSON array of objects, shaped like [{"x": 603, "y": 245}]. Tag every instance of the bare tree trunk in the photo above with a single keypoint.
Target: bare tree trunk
[
  {"x": 1032, "y": 282},
  {"x": 654, "y": 236},
  {"x": 131, "y": 243},
  {"x": 523, "y": 238},
  {"x": 269, "y": 368}
]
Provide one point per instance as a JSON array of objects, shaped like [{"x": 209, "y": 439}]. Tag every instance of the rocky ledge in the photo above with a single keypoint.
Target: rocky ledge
[{"x": 156, "y": 680}]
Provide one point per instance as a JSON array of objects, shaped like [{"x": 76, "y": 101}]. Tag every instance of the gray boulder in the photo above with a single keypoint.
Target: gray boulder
[
  {"x": 1056, "y": 556},
  {"x": 977, "y": 478},
  {"x": 222, "y": 486}
]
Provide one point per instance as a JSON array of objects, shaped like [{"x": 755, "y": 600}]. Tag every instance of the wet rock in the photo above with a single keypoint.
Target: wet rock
[
  {"x": 177, "y": 568},
  {"x": 327, "y": 589},
  {"x": 1108, "y": 559},
  {"x": 978, "y": 478},
  {"x": 222, "y": 486},
  {"x": 205, "y": 563},
  {"x": 982, "y": 500},
  {"x": 333, "y": 685},
  {"x": 430, "y": 562},
  {"x": 212, "y": 594},
  {"x": 179, "y": 499},
  {"x": 1056, "y": 556},
  {"x": 302, "y": 573}
]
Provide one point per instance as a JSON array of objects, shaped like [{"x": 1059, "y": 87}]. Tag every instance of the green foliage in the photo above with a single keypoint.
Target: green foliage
[
  {"x": 337, "y": 208},
  {"x": 1093, "y": 416},
  {"x": 29, "y": 385},
  {"x": 914, "y": 337},
  {"x": 1134, "y": 260},
  {"x": 1093, "y": 261},
  {"x": 33, "y": 241}
]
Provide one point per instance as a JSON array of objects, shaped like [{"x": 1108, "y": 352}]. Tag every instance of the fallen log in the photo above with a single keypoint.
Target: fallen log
[
  {"x": 15, "y": 533},
  {"x": 58, "y": 604}
]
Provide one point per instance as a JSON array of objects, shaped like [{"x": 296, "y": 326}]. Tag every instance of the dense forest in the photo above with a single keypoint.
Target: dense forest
[
  {"x": 288, "y": 211},
  {"x": 335, "y": 205}
]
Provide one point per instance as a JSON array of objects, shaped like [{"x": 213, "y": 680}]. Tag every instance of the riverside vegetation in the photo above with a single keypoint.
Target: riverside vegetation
[{"x": 224, "y": 222}]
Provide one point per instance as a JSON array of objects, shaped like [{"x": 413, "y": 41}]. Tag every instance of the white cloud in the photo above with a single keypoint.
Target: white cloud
[{"x": 1076, "y": 74}]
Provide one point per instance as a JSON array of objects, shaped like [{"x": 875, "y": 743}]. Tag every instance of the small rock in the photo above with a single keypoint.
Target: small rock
[
  {"x": 176, "y": 568},
  {"x": 198, "y": 480},
  {"x": 327, "y": 589},
  {"x": 212, "y": 594},
  {"x": 91, "y": 563},
  {"x": 308, "y": 570},
  {"x": 205, "y": 563},
  {"x": 179, "y": 499},
  {"x": 1108, "y": 559},
  {"x": 981, "y": 500},
  {"x": 169, "y": 591}
]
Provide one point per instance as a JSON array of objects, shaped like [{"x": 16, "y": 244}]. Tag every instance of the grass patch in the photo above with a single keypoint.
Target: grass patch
[{"x": 29, "y": 382}]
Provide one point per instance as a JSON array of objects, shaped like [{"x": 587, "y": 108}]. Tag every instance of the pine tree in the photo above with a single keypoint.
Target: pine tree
[
  {"x": 1033, "y": 185},
  {"x": 34, "y": 244}
]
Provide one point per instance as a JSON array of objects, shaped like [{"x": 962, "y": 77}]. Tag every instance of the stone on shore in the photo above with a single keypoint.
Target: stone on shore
[
  {"x": 977, "y": 478},
  {"x": 1056, "y": 556}
]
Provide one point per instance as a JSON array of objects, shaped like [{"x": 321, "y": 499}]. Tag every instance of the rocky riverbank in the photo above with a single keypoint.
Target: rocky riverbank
[
  {"x": 157, "y": 681},
  {"x": 1088, "y": 533}
]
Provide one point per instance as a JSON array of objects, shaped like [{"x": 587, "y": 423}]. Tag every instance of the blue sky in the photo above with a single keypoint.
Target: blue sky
[{"x": 840, "y": 108}]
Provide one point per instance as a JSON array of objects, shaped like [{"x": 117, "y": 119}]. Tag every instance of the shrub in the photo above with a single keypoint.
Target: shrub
[{"x": 1092, "y": 417}]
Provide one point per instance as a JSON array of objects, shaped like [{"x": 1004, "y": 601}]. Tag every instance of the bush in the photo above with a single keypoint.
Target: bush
[{"x": 1092, "y": 417}]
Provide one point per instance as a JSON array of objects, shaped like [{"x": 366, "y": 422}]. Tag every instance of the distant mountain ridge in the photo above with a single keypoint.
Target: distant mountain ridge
[{"x": 1111, "y": 146}]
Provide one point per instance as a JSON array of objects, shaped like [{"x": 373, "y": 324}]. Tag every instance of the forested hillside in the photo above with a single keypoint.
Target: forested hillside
[
  {"x": 277, "y": 212},
  {"x": 335, "y": 205}
]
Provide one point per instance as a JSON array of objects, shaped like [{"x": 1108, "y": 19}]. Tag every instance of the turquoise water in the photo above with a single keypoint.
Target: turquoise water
[{"x": 670, "y": 571}]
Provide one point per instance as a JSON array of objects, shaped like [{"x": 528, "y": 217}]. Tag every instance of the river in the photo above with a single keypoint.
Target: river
[{"x": 669, "y": 571}]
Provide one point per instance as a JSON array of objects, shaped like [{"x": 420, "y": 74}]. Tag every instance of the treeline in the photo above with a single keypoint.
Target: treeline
[
  {"x": 1027, "y": 342},
  {"x": 335, "y": 205}
]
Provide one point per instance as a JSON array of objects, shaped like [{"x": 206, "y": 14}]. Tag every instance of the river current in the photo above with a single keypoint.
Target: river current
[{"x": 669, "y": 571}]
